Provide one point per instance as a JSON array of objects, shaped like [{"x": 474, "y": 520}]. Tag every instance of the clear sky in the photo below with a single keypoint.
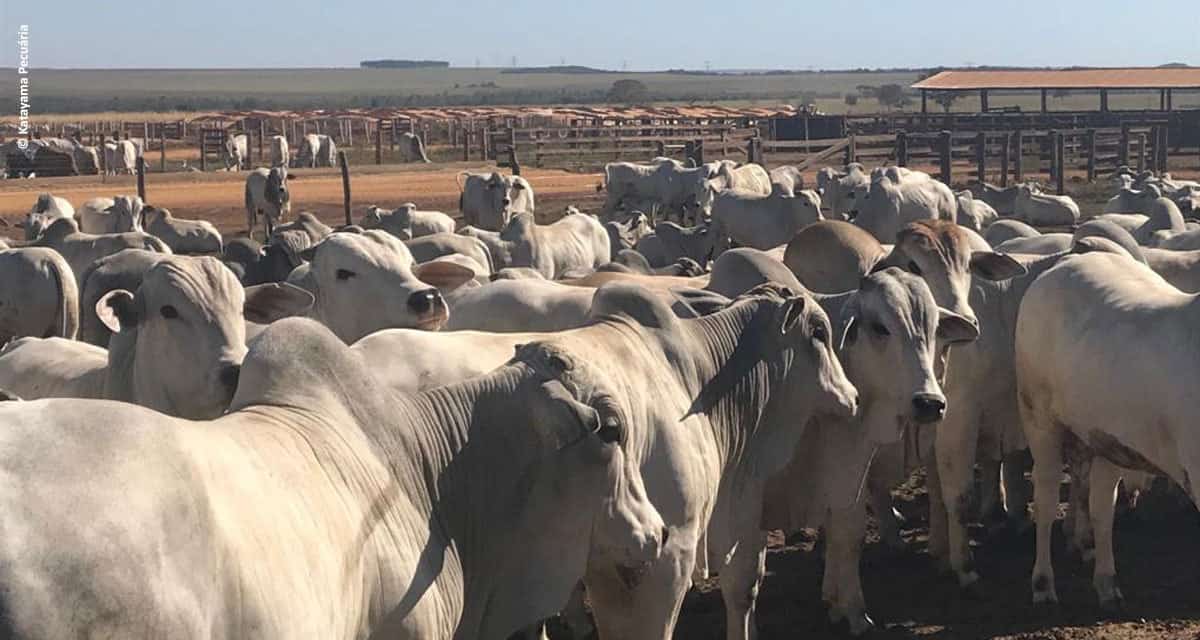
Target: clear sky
[{"x": 642, "y": 35}]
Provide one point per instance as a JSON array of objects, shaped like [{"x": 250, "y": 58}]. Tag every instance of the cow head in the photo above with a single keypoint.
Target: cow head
[
  {"x": 179, "y": 340},
  {"x": 127, "y": 213}
]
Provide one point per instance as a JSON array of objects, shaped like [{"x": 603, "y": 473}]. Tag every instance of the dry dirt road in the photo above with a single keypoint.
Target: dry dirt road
[{"x": 218, "y": 196}]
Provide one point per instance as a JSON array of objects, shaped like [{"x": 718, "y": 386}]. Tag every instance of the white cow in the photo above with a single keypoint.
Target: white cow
[
  {"x": 46, "y": 209},
  {"x": 838, "y": 188},
  {"x": 82, "y": 249},
  {"x": 183, "y": 236},
  {"x": 187, "y": 310},
  {"x": 1007, "y": 229},
  {"x": 726, "y": 175},
  {"x": 577, "y": 243},
  {"x": 267, "y": 194},
  {"x": 367, "y": 282},
  {"x": 117, "y": 214},
  {"x": 976, "y": 215},
  {"x": 416, "y": 516},
  {"x": 1105, "y": 361},
  {"x": 896, "y": 197},
  {"x": 235, "y": 151},
  {"x": 120, "y": 156},
  {"x": 787, "y": 178},
  {"x": 519, "y": 305},
  {"x": 1041, "y": 209},
  {"x": 406, "y": 222},
  {"x": 432, "y": 247},
  {"x": 669, "y": 242},
  {"x": 281, "y": 155},
  {"x": 761, "y": 222},
  {"x": 412, "y": 148},
  {"x": 39, "y": 294},
  {"x": 489, "y": 200}
]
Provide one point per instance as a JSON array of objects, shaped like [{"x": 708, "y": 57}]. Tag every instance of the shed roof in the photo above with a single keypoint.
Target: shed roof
[{"x": 1127, "y": 78}]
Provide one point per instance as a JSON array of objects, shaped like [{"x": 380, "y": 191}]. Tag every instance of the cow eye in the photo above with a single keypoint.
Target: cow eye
[
  {"x": 880, "y": 330},
  {"x": 819, "y": 333},
  {"x": 610, "y": 430},
  {"x": 169, "y": 312},
  {"x": 344, "y": 274},
  {"x": 913, "y": 268}
]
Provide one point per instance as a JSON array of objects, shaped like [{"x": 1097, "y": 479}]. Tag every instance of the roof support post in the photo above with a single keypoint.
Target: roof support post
[
  {"x": 1103, "y": 100},
  {"x": 983, "y": 100},
  {"x": 1043, "y": 100},
  {"x": 924, "y": 102},
  {"x": 1162, "y": 99},
  {"x": 1169, "y": 96}
]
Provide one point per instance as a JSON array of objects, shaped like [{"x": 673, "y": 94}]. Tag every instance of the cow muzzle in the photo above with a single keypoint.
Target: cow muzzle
[{"x": 928, "y": 407}]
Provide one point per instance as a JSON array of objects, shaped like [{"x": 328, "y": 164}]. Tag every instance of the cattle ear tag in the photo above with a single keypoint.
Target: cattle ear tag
[{"x": 115, "y": 309}]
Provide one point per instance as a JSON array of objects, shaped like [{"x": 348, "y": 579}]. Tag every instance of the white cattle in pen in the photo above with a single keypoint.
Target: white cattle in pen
[
  {"x": 489, "y": 200},
  {"x": 725, "y": 176},
  {"x": 407, "y": 222},
  {"x": 45, "y": 210},
  {"x": 838, "y": 187},
  {"x": 82, "y": 249},
  {"x": 412, "y": 148},
  {"x": 663, "y": 184},
  {"x": 263, "y": 535},
  {"x": 787, "y": 178},
  {"x": 976, "y": 215},
  {"x": 235, "y": 151},
  {"x": 118, "y": 214},
  {"x": 369, "y": 281},
  {"x": 896, "y": 197},
  {"x": 186, "y": 310},
  {"x": 267, "y": 194},
  {"x": 1007, "y": 229},
  {"x": 761, "y": 222},
  {"x": 1002, "y": 199},
  {"x": 577, "y": 243},
  {"x": 669, "y": 242},
  {"x": 39, "y": 294},
  {"x": 281, "y": 155},
  {"x": 183, "y": 236},
  {"x": 1042, "y": 209},
  {"x": 432, "y": 247},
  {"x": 1105, "y": 360},
  {"x": 122, "y": 270},
  {"x": 120, "y": 156}
]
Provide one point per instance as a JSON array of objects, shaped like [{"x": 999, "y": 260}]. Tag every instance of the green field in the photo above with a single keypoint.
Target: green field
[{"x": 127, "y": 90}]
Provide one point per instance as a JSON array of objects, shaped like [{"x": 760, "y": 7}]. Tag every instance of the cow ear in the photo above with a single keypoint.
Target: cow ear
[
  {"x": 116, "y": 309},
  {"x": 793, "y": 311},
  {"x": 446, "y": 276},
  {"x": 990, "y": 265},
  {"x": 954, "y": 328},
  {"x": 697, "y": 303},
  {"x": 308, "y": 254},
  {"x": 266, "y": 303}
]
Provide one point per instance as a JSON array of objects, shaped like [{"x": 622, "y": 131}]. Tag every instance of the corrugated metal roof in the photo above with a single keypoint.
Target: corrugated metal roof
[
  {"x": 467, "y": 113},
  {"x": 1152, "y": 78}
]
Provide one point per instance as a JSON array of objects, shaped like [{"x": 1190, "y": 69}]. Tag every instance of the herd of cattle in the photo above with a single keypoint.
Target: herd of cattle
[{"x": 404, "y": 429}]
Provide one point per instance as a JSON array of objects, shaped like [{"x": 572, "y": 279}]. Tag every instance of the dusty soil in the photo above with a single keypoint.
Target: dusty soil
[
  {"x": 218, "y": 196},
  {"x": 1158, "y": 567}
]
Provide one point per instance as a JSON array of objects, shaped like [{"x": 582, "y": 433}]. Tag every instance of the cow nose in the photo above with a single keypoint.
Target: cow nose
[
  {"x": 928, "y": 407},
  {"x": 666, "y": 533},
  {"x": 229, "y": 375},
  {"x": 423, "y": 302},
  {"x": 506, "y": 202}
]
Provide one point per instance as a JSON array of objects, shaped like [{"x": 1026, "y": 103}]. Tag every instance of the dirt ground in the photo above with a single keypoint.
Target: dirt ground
[
  {"x": 218, "y": 196},
  {"x": 1158, "y": 568}
]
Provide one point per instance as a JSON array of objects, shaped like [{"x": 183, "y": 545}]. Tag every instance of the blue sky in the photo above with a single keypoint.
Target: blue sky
[{"x": 729, "y": 34}]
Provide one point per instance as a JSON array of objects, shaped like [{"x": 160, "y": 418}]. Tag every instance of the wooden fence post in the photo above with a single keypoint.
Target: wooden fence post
[
  {"x": 203, "y": 149},
  {"x": 379, "y": 143},
  {"x": 466, "y": 136},
  {"x": 1005, "y": 148},
  {"x": 1164, "y": 148},
  {"x": 660, "y": 149},
  {"x": 1141, "y": 159},
  {"x": 946, "y": 157},
  {"x": 901, "y": 149},
  {"x": 341, "y": 157},
  {"x": 1090, "y": 144},
  {"x": 1123, "y": 146},
  {"x": 162, "y": 149},
  {"x": 851, "y": 154},
  {"x": 1060, "y": 161},
  {"x": 140, "y": 166},
  {"x": 262, "y": 136},
  {"x": 249, "y": 159},
  {"x": 981, "y": 157},
  {"x": 1019, "y": 156},
  {"x": 699, "y": 151}
]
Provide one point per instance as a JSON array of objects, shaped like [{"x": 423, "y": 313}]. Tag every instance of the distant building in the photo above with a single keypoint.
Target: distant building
[{"x": 404, "y": 64}]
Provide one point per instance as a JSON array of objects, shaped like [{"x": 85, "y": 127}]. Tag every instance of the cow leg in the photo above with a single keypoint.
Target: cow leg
[
  {"x": 740, "y": 580},
  {"x": 1014, "y": 493},
  {"x": 1045, "y": 441},
  {"x": 1080, "y": 538},
  {"x": 643, "y": 605},
  {"x": 955, "y": 449},
  {"x": 1102, "y": 493},
  {"x": 843, "y": 554},
  {"x": 884, "y": 473}
]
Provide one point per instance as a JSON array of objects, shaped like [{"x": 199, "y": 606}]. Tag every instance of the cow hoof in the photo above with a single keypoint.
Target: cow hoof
[{"x": 1109, "y": 595}]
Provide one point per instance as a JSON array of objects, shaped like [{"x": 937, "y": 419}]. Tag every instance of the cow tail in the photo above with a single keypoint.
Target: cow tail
[{"x": 66, "y": 320}]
